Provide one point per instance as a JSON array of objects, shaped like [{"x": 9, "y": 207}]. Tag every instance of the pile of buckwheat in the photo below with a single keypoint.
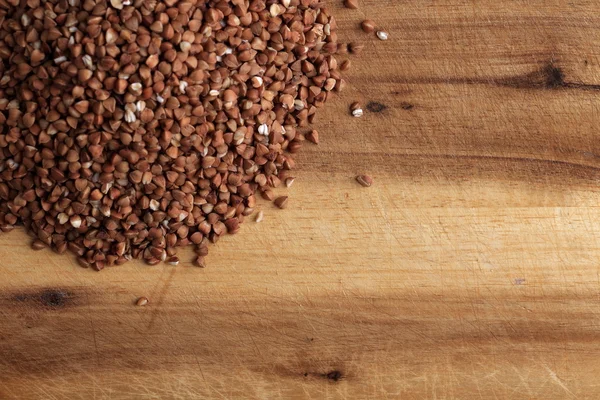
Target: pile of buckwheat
[{"x": 132, "y": 127}]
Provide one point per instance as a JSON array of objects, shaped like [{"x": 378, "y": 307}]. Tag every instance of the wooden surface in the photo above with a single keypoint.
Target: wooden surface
[{"x": 469, "y": 270}]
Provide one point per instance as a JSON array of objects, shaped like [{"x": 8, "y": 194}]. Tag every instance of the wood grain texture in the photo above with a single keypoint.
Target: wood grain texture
[{"x": 469, "y": 269}]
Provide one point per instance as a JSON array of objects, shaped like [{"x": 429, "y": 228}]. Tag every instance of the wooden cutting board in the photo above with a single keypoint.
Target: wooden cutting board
[{"x": 468, "y": 270}]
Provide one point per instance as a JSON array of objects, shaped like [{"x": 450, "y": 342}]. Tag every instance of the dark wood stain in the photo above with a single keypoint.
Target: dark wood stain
[
  {"x": 334, "y": 375},
  {"x": 547, "y": 77},
  {"x": 49, "y": 298},
  {"x": 376, "y": 107}
]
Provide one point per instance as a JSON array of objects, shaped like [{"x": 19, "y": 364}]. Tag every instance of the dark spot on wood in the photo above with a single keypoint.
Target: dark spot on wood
[
  {"x": 548, "y": 77},
  {"x": 401, "y": 92},
  {"x": 20, "y": 298},
  {"x": 305, "y": 374},
  {"x": 407, "y": 106},
  {"x": 585, "y": 62},
  {"x": 54, "y": 298},
  {"x": 334, "y": 375},
  {"x": 47, "y": 298},
  {"x": 376, "y": 107},
  {"x": 554, "y": 76}
]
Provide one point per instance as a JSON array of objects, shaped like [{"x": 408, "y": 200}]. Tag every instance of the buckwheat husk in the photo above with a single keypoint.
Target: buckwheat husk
[{"x": 132, "y": 127}]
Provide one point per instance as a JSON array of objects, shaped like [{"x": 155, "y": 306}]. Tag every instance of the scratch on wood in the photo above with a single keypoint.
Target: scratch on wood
[
  {"x": 558, "y": 381},
  {"x": 161, "y": 297}
]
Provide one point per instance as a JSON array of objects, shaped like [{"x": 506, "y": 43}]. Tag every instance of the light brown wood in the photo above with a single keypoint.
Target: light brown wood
[{"x": 468, "y": 270}]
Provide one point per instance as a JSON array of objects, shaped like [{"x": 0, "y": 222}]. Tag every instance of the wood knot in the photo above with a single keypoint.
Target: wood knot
[
  {"x": 334, "y": 375},
  {"x": 554, "y": 76}
]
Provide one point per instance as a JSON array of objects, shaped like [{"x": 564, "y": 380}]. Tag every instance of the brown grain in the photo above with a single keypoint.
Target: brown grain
[
  {"x": 133, "y": 128},
  {"x": 259, "y": 216},
  {"x": 281, "y": 202},
  {"x": 289, "y": 181},
  {"x": 356, "y": 109},
  {"x": 142, "y": 301},
  {"x": 313, "y": 136},
  {"x": 38, "y": 245},
  {"x": 199, "y": 262},
  {"x": 352, "y": 4},
  {"x": 174, "y": 260},
  {"x": 355, "y": 48},
  {"x": 368, "y": 26},
  {"x": 364, "y": 180}
]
